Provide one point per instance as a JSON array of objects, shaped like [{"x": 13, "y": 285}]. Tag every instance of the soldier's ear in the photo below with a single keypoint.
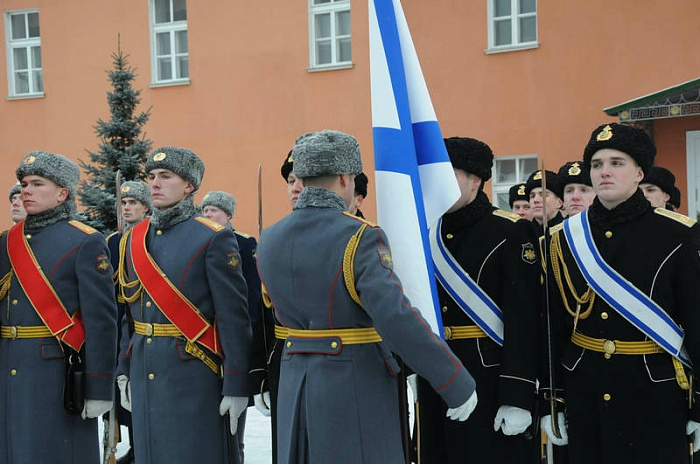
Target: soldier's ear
[
  {"x": 189, "y": 188},
  {"x": 62, "y": 194}
]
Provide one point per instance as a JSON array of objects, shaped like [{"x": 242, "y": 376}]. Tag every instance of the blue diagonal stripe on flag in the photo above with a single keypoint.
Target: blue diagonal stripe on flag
[{"x": 415, "y": 182}]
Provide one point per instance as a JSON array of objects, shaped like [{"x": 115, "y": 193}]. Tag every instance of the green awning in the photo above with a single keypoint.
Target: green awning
[{"x": 673, "y": 102}]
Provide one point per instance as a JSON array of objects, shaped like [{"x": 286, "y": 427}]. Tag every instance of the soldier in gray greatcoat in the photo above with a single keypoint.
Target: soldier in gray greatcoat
[
  {"x": 187, "y": 362},
  {"x": 17, "y": 212},
  {"x": 72, "y": 258},
  {"x": 344, "y": 313}
]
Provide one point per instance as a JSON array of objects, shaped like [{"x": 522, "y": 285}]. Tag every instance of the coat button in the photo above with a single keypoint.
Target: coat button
[
  {"x": 149, "y": 340},
  {"x": 608, "y": 234},
  {"x": 444, "y": 309},
  {"x": 603, "y": 315},
  {"x": 159, "y": 232},
  {"x": 289, "y": 344},
  {"x": 14, "y": 302},
  {"x": 151, "y": 376},
  {"x": 607, "y": 397},
  {"x": 148, "y": 304},
  {"x": 13, "y": 372},
  {"x": 28, "y": 236},
  {"x": 334, "y": 345},
  {"x": 449, "y": 236}
]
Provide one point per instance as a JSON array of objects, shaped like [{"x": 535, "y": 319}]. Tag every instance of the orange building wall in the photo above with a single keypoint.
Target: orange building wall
[{"x": 251, "y": 95}]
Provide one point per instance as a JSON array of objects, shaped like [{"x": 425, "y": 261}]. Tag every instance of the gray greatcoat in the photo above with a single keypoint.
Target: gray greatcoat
[
  {"x": 34, "y": 426},
  {"x": 338, "y": 403}
]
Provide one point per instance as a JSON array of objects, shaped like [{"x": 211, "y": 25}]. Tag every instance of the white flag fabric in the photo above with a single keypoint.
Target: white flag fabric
[{"x": 415, "y": 182}]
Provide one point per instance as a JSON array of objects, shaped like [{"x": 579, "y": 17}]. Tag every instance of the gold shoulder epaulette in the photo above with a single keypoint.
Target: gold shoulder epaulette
[
  {"x": 556, "y": 228},
  {"x": 242, "y": 234},
  {"x": 678, "y": 217},
  {"x": 215, "y": 226},
  {"x": 506, "y": 214},
  {"x": 83, "y": 227},
  {"x": 362, "y": 220}
]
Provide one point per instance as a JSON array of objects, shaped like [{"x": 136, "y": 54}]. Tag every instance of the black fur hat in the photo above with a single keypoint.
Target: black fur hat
[
  {"x": 628, "y": 139},
  {"x": 662, "y": 178},
  {"x": 535, "y": 180},
  {"x": 470, "y": 155},
  {"x": 517, "y": 192},
  {"x": 574, "y": 172}
]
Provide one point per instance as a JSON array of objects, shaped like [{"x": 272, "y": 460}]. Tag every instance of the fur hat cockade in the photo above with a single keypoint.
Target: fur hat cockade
[
  {"x": 136, "y": 190},
  {"x": 182, "y": 161},
  {"x": 535, "y": 180},
  {"x": 326, "y": 153},
  {"x": 515, "y": 193},
  {"x": 287, "y": 166},
  {"x": 630, "y": 140},
  {"x": 57, "y": 168},
  {"x": 574, "y": 172},
  {"x": 470, "y": 155},
  {"x": 222, "y": 200}
]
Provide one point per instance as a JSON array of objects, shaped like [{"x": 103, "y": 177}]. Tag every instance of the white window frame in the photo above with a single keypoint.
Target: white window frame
[
  {"x": 27, "y": 44},
  {"x": 169, "y": 27},
  {"x": 515, "y": 17},
  {"x": 333, "y": 7},
  {"x": 520, "y": 177}
]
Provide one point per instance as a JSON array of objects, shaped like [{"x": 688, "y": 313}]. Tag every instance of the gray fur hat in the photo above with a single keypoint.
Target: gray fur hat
[
  {"x": 57, "y": 168},
  {"x": 326, "y": 153},
  {"x": 222, "y": 200},
  {"x": 17, "y": 188},
  {"x": 183, "y": 162},
  {"x": 136, "y": 190}
]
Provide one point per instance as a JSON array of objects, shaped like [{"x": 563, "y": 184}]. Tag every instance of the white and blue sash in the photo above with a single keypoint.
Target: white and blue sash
[
  {"x": 463, "y": 290},
  {"x": 635, "y": 306}
]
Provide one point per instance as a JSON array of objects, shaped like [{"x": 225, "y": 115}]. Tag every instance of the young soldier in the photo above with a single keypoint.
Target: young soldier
[
  {"x": 492, "y": 254},
  {"x": 220, "y": 208},
  {"x": 17, "y": 212},
  {"x": 623, "y": 282},
  {"x": 181, "y": 275},
  {"x": 549, "y": 200},
  {"x": 344, "y": 311},
  {"x": 58, "y": 328},
  {"x": 519, "y": 202},
  {"x": 294, "y": 185},
  {"x": 575, "y": 184},
  {"x": 657, "y": 186}
]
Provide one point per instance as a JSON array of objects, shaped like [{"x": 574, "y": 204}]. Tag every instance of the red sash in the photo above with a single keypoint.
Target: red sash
[
  {"x": 176, "y": 307},
  {"x": 41, "y": 294}
]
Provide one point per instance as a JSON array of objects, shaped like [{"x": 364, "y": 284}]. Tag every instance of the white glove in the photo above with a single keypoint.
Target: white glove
[
  {"x": 693, "y": 428},
  {"x": 512, "y": 420},
  {"x": 546, "y": 424},
  {"x": 412, "y": 381},
  {"x": 234, "y": 406},
  {"x": 95, "y": 408},
  {"x": 124, "y": 391},
  {"x": 262, "y": 403},
  {"x": 461, "y": 413}
]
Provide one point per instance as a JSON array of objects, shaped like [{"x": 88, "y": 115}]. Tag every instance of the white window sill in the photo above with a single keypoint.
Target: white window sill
[
  {"x": 26, "y": 96},
  {"x": 512, "y": 48},
  {"x": 169, "y": 83},
  {"x": 330, "y": 67}
]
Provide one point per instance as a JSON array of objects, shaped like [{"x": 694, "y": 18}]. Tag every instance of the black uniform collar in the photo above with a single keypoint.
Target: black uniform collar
[
  {"x": 466, "y": 217},
  {"x": 318, "y": 197},
  {"x": 630, "y": 209},
  {"x": 35, "y": 222},
  {"x": 165, "y": 219}
]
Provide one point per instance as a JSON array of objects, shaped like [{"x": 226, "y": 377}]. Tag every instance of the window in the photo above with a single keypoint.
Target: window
[
  {"x": 169, "y": 50},
  {"x": 329, "y": 33},
  {"x": 508, "y": 171},
  {"x": 24, "y": 74},
  {"x": 512, "y": 24}
]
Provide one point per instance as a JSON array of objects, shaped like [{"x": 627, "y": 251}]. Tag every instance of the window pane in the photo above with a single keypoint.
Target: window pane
[
  {"x": 322, "y": 25},
  {"x": 506, "y": 171},
  {"x": 528, "y": 6},
  {"x": 38, "y": 81},
  {"x": 323, "y": 52},
  {"x": 344, "y": 50},
  {"x": 179, "y": 10},
  {"x": 36, "y": 57},
  {"x": 181, "y": 42},
  {"x": 162, "y": 8},
  {"x": 321, "y": 2},
  {"x": 183, "y": 67},
  {"x": 503, "y": 32},
  {"x": 501, "y": 7},
  {"x": 22, "y": 82},
  {"x": 163, "y": 43},
  {"x": 527, "y": 167},
  {"x": 528, "y": 29},
  {"x": 33, "y": 24},
  {"x": 20, "y": 58},
  {"x": 18, "y": 29},
  {"x": 165, "y": 72},
  {"x": 502, "y": 201},
  {"x": 342, "y": 26}
]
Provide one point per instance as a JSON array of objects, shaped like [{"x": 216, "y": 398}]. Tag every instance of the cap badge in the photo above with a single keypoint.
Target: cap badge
[
  {"x": 30, "y": 159},
  {"x": 160, "y": 156},
  {"x": 125, "y": 188},
  {"x": 574, "y": 170},
  {"x": 605, "y": 134},
  {"x": 290, "y": 159},
  {"x": 521, "y": 190},
  {"x": 538, "y": 176}
]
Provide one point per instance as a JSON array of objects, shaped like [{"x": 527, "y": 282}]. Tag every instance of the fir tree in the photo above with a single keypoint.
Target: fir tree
[{"x": 121, "y": 145}]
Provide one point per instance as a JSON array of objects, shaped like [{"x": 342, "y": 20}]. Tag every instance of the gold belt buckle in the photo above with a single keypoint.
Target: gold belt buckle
[
  {"x": 149, "y": 329},
  {"x": 448, "y": 333},
  {"x": 13, "y": 332},
  {"x": 609, "y": 348}
]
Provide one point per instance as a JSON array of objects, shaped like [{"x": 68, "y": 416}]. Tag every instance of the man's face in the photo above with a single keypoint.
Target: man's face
[
  {"x": 577, "y": 197},
  {"x": 657, "y": 197},
  {"x": 217, "y": 215},
  {"x": 167, "y": 188},
  {"x": 615, "y": 176},
  {"x": 522, "y": 209},
  {"x": 294, "y": 188},
  {"x": 17, "y": 211},
  {"x": 539, "y": 202},
  {"x": 40, "y": 194},
  {"x": 133, "y": 210}
]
